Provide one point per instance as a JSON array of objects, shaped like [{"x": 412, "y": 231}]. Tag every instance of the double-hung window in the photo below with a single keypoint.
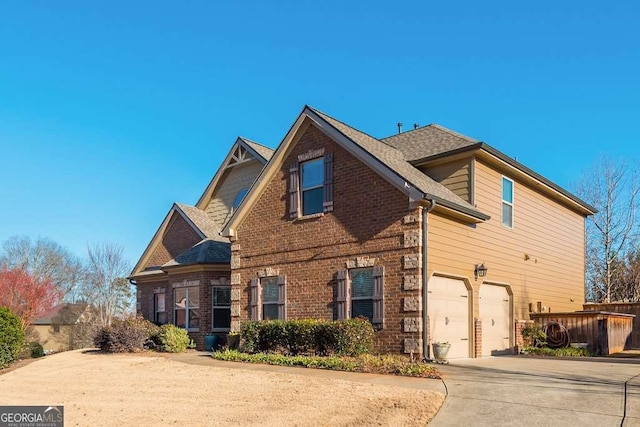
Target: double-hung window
[
  {"x": 221, "y": 308},
  {"x": 268, "y": 298},
  {"x": 159, "y": 309},
  {"x": 360, "y": 293},
  {"x": 187, "y": 307},
  {"x": 311, "y": 184},
  {"x": 507, "y": 202},
  {"x": 311, "y": 188}
]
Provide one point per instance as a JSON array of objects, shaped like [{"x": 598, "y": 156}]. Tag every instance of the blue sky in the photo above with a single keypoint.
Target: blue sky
[{"x": 111, "y": 112}]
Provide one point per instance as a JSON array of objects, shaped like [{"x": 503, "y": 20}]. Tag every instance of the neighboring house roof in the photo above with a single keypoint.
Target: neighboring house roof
[
  {"x": 208, "y": 251},
  {"x": 429, "y": 141},
  {"x": 62, "y": 314},
  {"x": 434, "y": 141}
]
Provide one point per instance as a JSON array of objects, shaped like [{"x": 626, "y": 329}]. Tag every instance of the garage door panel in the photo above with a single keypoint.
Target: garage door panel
[
  {"x": 495, "y": 313},
  {"x": 448, "y": 307}
]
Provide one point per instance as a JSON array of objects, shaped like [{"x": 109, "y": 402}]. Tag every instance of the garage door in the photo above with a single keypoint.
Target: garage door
[
  {"x": 495, "y": 314},
  {"x": 448, "y": 306}
]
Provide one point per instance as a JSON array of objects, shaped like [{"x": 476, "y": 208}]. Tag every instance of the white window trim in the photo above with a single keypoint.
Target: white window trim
[
  {"x": 504, "y": 202},
  {"x": 186, "y": 306},
  {"x": 214, "y": 307}
]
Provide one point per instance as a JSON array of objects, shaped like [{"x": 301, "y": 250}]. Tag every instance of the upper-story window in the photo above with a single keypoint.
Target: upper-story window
[
  {"x": 507, "y": 202},
  {"x": 239, "y": 198},
  {"x": 312, "y": 191},
  {"x": 311, "y": 184}
]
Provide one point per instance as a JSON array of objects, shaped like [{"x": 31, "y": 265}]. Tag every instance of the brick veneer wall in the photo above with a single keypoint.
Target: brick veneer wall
[
  {"x": 206, "y": 279},
  {"x": 371, "y": 221},
  {"x": 179, "y": 237}
]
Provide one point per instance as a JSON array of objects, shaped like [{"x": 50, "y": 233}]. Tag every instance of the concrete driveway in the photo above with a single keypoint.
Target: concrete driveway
[{"x": 527, "y": 391}]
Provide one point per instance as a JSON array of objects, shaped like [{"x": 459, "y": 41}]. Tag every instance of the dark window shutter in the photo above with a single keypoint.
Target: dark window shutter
[
  {"x": 282, "y": 297},
  {"x": 378, "y": 292},
  {"x": 327, "y": 204},
  {"x": 254, "y": 302},
  {"x": 293, "y": 190},
  {"x": 341, "y": 298}
]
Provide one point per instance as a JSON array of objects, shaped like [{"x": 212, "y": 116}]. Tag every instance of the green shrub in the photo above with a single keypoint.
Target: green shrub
[
  {"x": 36, "y": 350},
  {"x": 385, "y": 364},
  {"x": 534, "y": 336},
  {"x": 11, "y": 336},
  {"x": 173, "y": 339},
  {"x": 559, "y": 352},
  {"x": 123, "y": 336},
  {"x": 308, "y": 336}
]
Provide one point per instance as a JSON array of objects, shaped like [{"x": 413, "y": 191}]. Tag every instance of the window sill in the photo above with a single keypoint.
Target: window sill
[
  {"x": 221, "y": 331},
  {"x": 312, "y": 216},
  {"x": 193, "y": 329}
]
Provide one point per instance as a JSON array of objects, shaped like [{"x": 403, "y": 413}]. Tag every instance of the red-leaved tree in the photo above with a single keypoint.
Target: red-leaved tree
[{"x": 26, "y": 295}]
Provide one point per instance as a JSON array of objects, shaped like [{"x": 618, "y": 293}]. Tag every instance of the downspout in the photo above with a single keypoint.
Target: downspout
[{"x": 425, "y": 240}]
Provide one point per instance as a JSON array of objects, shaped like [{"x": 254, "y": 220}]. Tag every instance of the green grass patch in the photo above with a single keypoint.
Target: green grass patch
[
  {"x": 378, "y": 364},
  {"x": 559, "y": 352}
]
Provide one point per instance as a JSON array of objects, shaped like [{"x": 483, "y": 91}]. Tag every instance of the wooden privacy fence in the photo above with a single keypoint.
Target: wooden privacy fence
[
  {"x": 622, "y": 307},
  {"x": 604, "y": 332}
]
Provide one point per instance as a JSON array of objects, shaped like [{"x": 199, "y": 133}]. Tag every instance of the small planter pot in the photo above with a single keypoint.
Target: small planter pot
[{"x": 440, "y": 350}]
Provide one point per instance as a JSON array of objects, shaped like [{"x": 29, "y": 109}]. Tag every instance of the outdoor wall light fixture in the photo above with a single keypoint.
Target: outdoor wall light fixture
[{"x": 480, "y": 271}]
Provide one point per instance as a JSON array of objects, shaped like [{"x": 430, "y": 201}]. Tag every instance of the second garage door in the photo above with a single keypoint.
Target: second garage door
[
  {"x": 495, "y": 313},
  {"x": 448, "y": 311}
]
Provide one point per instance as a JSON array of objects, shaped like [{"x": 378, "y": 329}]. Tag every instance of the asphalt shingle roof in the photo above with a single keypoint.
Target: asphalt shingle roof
[
  {"x": 429, "y": 141},
  {"x": 265, "y": 152},
  {"x": 394, "y": 159},
  {"x": 207, "y": 251},
  {"x": 200, "y": 219},
  {"x": 62, "y": 314}
]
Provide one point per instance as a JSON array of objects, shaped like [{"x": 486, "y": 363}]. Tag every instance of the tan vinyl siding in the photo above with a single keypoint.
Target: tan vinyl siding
[
  {"x": 551, "y": 236},
  {"x": 234, "y": 179},
  {"x": 456, "y": 176}
]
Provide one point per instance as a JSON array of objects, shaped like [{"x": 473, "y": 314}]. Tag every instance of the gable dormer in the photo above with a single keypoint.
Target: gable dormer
[{"x": 231, "y": 183}]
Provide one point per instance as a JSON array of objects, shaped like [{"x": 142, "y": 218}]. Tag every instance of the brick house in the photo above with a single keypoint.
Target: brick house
[
  {"x": 431, "y": 235},
  {"x": 183, "y": 275}
]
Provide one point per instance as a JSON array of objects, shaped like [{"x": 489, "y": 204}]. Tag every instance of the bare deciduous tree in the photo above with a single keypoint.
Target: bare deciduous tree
[
  {"x": 612, "y": 188},
  {"x": 44, "y": 259},
  {"x": 106, "y": 285}
]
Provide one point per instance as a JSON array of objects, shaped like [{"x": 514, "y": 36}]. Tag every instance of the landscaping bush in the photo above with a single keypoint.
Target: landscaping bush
[
  {"x": 559, "y": 352},
  {"x": 173, "y": 339},
  {"x": 36, "y": 350},
  {"x": 308, "y": 336},
  {"x": 11, "y": 336},
  {"x": 534, "y": 336},
  {"x": 385, "y": 364},
  {"x": 122, "y": 336}
]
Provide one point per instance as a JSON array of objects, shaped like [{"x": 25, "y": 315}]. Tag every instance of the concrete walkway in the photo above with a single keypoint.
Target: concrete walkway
[{"x": 509, "y": 390}]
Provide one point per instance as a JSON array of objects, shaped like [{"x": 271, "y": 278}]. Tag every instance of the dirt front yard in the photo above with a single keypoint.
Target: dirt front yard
[{"x": 134, "y": 390}]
